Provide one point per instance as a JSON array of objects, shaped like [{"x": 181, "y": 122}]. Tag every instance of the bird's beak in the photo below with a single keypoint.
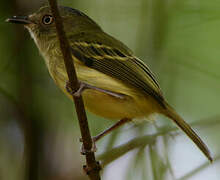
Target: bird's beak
[{"x": 19, "y": 20}]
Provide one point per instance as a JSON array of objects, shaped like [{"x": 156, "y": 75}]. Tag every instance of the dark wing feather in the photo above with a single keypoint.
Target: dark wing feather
[{"x": 117, "y": 64}]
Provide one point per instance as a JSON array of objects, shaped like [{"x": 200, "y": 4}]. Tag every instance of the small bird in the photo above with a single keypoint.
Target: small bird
[{"x": 114, "y": 83}]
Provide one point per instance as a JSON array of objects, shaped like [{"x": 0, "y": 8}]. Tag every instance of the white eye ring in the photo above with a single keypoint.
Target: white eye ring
[{"x": 47, "y": 19}]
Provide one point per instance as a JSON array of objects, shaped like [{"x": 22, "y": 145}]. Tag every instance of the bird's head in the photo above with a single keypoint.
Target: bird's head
[{"x": 41, "y": 24}]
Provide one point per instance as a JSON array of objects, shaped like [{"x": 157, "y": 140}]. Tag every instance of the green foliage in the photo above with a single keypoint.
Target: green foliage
[{"x": 179, "y": 40}]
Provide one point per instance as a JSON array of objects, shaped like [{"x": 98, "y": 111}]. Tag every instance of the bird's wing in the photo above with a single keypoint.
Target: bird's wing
[{"x": 119, "y": 65}]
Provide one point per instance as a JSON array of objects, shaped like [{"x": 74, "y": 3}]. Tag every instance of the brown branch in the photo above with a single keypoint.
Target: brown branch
[{"x": 93, "y": 166}]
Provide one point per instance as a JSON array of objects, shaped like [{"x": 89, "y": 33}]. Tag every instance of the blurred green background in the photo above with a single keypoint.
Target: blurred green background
[{"x": 39, "y": 132}]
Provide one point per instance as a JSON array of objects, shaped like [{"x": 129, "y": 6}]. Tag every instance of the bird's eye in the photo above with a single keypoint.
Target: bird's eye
[{"x": 47, "y": 19}]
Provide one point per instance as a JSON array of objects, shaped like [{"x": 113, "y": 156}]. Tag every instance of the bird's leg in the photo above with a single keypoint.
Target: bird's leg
[
  {"x": 78, "y": 93},
  {"x": 83, "y": 86},
  {"x": 102, "y": 134},
  {"x": 110, "y": 129}
]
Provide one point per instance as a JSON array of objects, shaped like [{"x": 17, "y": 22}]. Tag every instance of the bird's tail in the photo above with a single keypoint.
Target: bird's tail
[{"x": 171, "y": 113}]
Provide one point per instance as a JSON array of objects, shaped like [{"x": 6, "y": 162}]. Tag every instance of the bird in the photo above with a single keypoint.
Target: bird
[{"x": 114, "y": 83}]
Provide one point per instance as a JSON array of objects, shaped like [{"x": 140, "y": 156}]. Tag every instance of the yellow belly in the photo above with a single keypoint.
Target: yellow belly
[
  {"x": 111, "y": 107},
  {"x": 133, "y": 105}
]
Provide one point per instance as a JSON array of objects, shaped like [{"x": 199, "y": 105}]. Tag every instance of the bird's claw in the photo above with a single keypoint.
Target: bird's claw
[
  {"x": 83, "y": 86},
  {"x": 77, "y": 93},
  {"x": 86, "y": 151},
  {"x": 96, "y": 168}
]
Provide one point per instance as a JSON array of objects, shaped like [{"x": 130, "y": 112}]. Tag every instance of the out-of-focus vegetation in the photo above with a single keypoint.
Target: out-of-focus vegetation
[{"x": 39, "y": 133}]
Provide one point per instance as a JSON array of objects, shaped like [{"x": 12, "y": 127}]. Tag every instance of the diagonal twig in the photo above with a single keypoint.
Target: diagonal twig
[
  {"x": 92, "y": 168},
  {"x": 116, "y": 152}
]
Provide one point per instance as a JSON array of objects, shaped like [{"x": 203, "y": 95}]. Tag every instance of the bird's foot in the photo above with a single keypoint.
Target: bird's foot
[
  {"x": 89, "y": 170},
  {"x": 83, "y": 86},
  {"x": 86, "y": 151},
  {"x": 78, "y": 93}
]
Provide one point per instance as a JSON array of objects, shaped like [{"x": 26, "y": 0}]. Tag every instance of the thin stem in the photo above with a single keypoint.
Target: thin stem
[
  {"x": 115, "y": 153},
  {"x": 119, "y": 151},
  {"x": 92, "y": 167}
]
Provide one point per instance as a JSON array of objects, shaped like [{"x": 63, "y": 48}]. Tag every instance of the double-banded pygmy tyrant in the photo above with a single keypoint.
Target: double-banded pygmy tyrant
[{"x": 114, "y": 83}]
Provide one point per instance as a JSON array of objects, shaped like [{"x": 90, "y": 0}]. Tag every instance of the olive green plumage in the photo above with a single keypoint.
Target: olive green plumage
[{"x": 103, "y": 62}]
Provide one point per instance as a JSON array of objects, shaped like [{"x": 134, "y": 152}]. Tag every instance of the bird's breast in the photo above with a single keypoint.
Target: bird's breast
[{"x": 133, "y": 105}]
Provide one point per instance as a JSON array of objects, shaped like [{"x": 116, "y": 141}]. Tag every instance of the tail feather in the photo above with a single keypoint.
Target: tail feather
[{"x": 171, "y": 113}]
